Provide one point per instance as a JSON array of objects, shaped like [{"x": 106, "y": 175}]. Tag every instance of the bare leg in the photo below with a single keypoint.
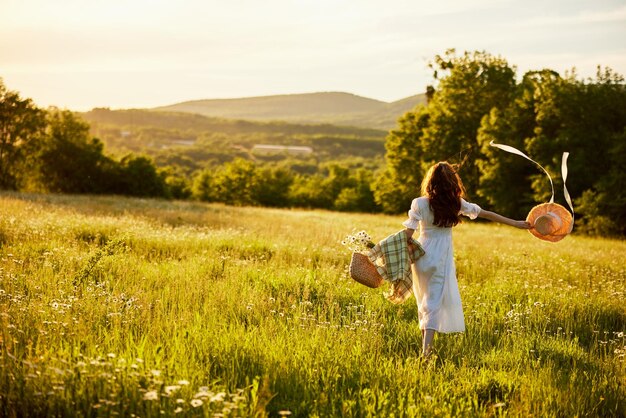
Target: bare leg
[{"x": 427, "y": 341}]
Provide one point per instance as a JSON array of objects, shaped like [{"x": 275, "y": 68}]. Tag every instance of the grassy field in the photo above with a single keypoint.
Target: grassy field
[{"x": 127, "y": 307}]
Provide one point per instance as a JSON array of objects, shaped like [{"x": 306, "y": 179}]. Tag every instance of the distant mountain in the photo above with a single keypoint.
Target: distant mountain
[{"x": 335, "y": 108}]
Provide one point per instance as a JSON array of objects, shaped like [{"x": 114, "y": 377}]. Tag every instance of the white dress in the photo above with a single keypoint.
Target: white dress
[{"x": 436, "y": 288}]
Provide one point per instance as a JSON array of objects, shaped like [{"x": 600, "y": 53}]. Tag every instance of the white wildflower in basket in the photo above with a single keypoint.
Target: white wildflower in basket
[{"x": 358, "y": 242}]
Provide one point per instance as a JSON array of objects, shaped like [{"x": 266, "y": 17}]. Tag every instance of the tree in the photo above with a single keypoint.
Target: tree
[
  {"x": 20, "y": 123},
  {"x": 550, "y": 115},
  {"x": 272, "y": 187},
  {"x": 399, "y": 183},
  {"x": 359, "y": 197},
  {"x": 470, "y": 86},
  {"x": 66, "y": 159},
  {"x": 584, "y": 117},
  {"x": 235, "y": 182},
  {"x": 604, "y": 206},
  {"x": 310, "y": 191},
  {"x": 505, "y": 181},
  {"x": 474, "y": 83},
  {"x": 203, "y": 187},
  {"x": 140, "y": 177},
  {"x": 176, "y": 182}
]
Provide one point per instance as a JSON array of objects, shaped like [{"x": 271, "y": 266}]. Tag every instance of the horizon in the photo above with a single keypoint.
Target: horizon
[
  {"x": 293, "y": 94},
  {"x": 144, "y": 54},
  {"x": 243, "y": 98}
]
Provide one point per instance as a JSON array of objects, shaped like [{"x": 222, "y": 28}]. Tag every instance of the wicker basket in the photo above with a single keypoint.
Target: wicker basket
[{"x": 363, "y": 271}]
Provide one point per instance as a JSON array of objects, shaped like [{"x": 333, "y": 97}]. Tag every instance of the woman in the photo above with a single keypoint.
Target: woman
[{"x": 437, "y": 211}]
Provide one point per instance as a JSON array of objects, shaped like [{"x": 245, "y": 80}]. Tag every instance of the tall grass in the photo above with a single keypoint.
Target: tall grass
[{"x": 112, "y": 306}]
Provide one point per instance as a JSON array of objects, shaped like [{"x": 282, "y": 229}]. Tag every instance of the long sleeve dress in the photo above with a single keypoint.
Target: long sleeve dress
[{"x": 435, "y": 287}]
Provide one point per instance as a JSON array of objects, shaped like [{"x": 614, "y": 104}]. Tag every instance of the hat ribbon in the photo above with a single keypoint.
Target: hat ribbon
[{"x": 568, "y": 199}]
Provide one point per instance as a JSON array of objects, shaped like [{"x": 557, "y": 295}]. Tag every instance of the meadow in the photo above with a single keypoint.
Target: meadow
[{"x": 115, "y": 306}]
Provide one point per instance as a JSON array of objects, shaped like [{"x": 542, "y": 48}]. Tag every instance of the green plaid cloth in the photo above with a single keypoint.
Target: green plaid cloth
[{"x": 393, "y": 257}]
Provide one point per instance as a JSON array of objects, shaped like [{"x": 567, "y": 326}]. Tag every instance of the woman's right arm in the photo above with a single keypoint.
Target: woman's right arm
[
  {"x": 412, "y": 223},
  {"x": 492, "y": 216}
]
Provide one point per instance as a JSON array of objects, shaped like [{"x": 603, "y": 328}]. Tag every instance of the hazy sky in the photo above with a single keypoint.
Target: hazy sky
[{"x": 81, "y": 54}]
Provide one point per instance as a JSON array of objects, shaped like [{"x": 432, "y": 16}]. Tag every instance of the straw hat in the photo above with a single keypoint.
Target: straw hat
[{"x": 550, "y": 222}]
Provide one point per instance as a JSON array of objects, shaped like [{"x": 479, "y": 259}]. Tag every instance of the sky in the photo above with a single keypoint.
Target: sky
[{"x": 80, "y": 54}]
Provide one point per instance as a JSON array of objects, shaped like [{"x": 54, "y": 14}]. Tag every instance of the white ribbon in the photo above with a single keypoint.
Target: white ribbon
[
  {"x": 568, "y": 199},
  {"x": 512, "y": 150}
]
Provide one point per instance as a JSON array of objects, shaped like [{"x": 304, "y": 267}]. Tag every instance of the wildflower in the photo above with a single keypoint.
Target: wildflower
[
  {"x": 183, "y": 382},
  {"x": 203, "y": 393},
  {"x": 155, "y": 373},
  {"x": 170, "y": 389},
  {"x": 151, "y": 396},
  {"x": 178, "y": 410},
  {"x": 284, "y": 413},
  {"x": 111, "y": 355},
  {"x": 196, "y": 402},
  {"x": 218, "y": 397}
]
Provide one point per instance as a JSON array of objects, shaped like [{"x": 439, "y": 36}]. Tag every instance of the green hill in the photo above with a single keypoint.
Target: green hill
[
  {"x": 329, "y": 107},
  {"x": 170, "y": 136},
  {"x": 198, "y": 123}
]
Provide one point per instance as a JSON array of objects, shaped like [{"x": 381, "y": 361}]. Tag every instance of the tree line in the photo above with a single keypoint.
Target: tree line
[
  {"x": 242, "y": 182},
  {"x": 51, "y": 150},
  {"x": 477, "y": 99}
]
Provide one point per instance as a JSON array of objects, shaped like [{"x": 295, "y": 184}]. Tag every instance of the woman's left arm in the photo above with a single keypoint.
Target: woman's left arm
[{"x": 492, "y": 216}]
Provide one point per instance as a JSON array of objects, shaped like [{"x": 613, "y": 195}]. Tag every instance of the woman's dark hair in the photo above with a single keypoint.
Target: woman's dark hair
[{"x": 444, "y": 189}]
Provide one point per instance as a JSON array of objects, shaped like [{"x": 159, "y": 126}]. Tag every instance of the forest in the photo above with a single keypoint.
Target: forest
[{"x": 475, "y": 98}]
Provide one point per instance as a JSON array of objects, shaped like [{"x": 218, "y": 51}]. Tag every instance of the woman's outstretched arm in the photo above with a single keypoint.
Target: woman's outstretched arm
[{"x": 492, "y": 216}]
